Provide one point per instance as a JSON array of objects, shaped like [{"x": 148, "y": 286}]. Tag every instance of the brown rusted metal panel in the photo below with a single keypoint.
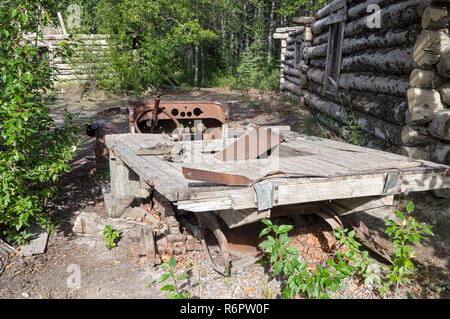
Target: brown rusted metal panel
[
  {"x": 215, "y": 177},
  {"x": 251, "y": 145}
]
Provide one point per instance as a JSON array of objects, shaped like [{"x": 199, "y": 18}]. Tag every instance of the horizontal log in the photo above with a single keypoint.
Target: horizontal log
[
  {"x": 361, "y": 8},
  {"x": 429, "y": 47},
  {"x": 322, "y": 38},
  {"x": 330, "y": 8},
  {"x": 291, "y": 71},
  {"x": 367, "y": 123},
  {"x": 373, "y": 41},
  {"x": 416, "y": 136},
  {"x": 435, "y": 18},
  {"x": 385, "y": 107},
  {"x": 288, "y": 62},
  {"x": 423, "y": 105},
  {"x": 397, "y": 15},
  {"x": 337, "y": 128},
  {"x": 303, "y": 20},
  {"x": 294, "y": 79},
  {"x": 443, "y": 67},
  {"x": 292, "y": 87},
  {"x": 294, "y": 39},
  {"x": 283, "y": 36},
  {"x": 322, "y": 25},
  {"x": 392, "y": 85},
  {"x": 290, "y": 29},
  {"x": 440, "y": 126},
  {"x": 397, "y": 61}
]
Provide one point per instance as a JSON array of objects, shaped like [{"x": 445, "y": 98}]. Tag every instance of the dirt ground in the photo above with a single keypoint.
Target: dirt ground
[{"x": 121, "y": 273}]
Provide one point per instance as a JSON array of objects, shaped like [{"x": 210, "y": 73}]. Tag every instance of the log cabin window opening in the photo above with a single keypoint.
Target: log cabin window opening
[{"x": 334, "y": 57}]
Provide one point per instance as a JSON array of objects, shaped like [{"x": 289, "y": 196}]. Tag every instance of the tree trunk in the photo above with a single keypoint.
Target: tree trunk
[
  {"x": 203, "y": 64},
  {"x": 196, "y": 66},
  {"x": 271, "y": 27}
]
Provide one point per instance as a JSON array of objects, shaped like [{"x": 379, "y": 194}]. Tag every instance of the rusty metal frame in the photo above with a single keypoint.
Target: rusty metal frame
[{"x": 177, "y": 110}]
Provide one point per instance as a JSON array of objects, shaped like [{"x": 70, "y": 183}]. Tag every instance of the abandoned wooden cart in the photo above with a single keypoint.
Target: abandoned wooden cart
[{"x": 291, "y": 174}]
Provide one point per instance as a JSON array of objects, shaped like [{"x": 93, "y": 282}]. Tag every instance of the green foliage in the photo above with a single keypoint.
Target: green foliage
[
  {"x": 352, "y": 132},
  {"x": 154, "y": 40},
  {"x": 173, "y": 289},
  {"x": 33, "y": 151},
  {"x": 149, "y": 42},
  {"x": 351, "y": 262},
  {"x": 306, "y": 125},
  {"x": 367, "y": 269},
  {"x": 301, "y": 281},
  {"x": 407, "y": 231},
  {"x": 112, "y": 236}
]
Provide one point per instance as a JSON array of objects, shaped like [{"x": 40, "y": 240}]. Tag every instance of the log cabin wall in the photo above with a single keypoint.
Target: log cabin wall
[
  {"x": 393, "y": 77},
  {"x": 88, "y": 55}
]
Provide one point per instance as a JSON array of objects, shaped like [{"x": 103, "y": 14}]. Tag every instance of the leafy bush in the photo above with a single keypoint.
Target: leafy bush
[
  {"x": 33, "y": 151},
  {"x": 112, "y": 236},
  {"x": 254, "y": 72},
  {"x": 173, "y": 289},
  {"x": 301, "y": 280},
  {"x": 404, "y": 233},
  {"x": 348, "y": 262}
]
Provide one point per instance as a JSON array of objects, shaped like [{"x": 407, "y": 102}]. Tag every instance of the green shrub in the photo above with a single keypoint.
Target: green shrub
[
  {"x": 403, "y": 234},
  {"x": 33, "y": 151}
]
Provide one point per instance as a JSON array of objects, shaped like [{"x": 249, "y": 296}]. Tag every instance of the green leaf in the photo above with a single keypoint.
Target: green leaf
[
  {"x": 277, "y": 267},
  {"x": 267, "y": 222},
  {"x": 265, "y": 231},
  {"x": 164, "y": 277},
  {"x": 172, "y": 262},
  {"x": 285, "y": 228},
  {"x": 400, "y": 214},
  {"x": 410, "y": 207},
  {"x": 428, "y": 231},
  {"x": 168, "y": 288},
  {"x": 24, "y": 18},
  {"x": 182, "y": 277}
]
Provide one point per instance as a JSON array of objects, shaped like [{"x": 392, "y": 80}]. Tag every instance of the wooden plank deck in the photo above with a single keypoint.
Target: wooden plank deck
[{"x": 350, "y": 172}]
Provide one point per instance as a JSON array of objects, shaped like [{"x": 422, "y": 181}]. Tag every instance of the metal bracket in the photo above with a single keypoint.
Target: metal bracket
[
  {"x": 266, "y": 195},
  {"x": 391, "y": 185}
]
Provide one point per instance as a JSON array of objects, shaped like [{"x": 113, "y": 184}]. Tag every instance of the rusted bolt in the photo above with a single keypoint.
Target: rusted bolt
[
  {"x": 276, "y": 201},
  {"x": 276, "y": 188}
]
